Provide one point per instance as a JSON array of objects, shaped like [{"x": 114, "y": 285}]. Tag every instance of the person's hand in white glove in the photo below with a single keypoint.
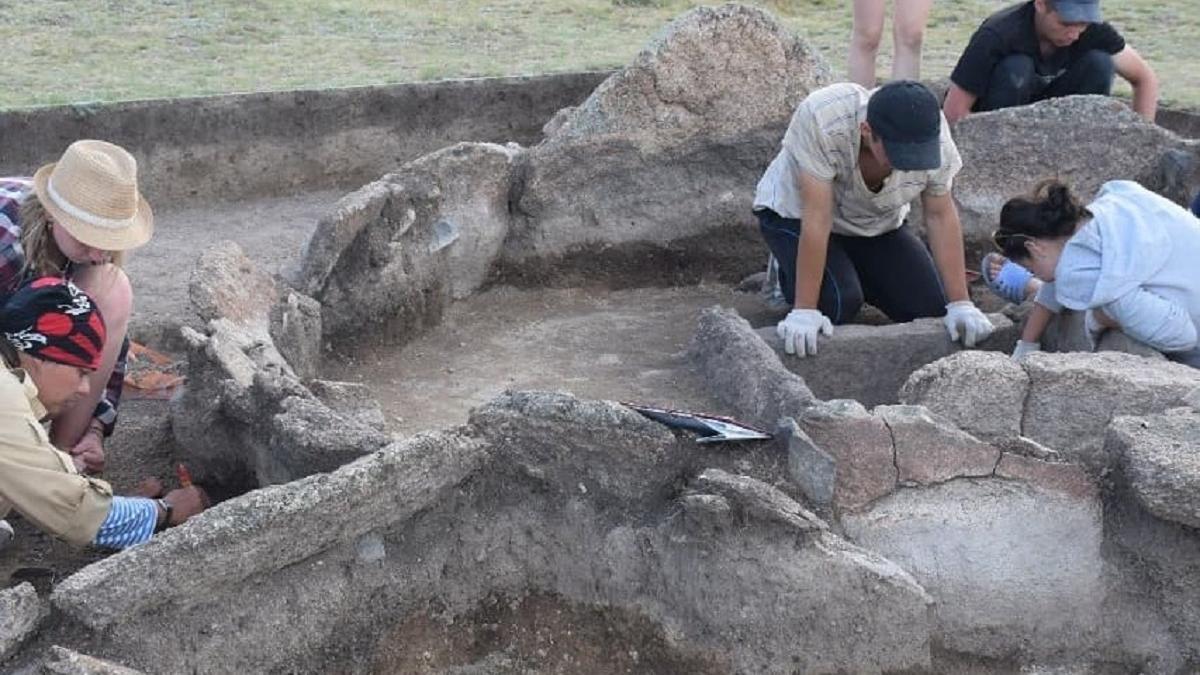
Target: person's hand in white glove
[
  {"x": 1024, "y": 348},
  {"x": 964, "y": 318},
  {"x": 799, "y": 330}
]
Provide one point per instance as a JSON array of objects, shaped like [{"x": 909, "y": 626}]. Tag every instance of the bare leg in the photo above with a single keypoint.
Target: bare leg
[
  {"x": 908, "y": 28},
  {"x": 109, "y": 287},
  {"x": 864, "y": 40}
]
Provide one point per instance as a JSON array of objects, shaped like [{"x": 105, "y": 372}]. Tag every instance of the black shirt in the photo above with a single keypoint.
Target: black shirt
[{"x": 1011, "y": 31}]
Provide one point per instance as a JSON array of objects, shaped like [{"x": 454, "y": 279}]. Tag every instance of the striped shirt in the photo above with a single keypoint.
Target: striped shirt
[
  {"x": 130, "y": 522},
  {"x": 823, "y": 140}
]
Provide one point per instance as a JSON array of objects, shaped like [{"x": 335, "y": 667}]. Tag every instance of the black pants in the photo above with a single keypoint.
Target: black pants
[
  {"x": 893, "y": 272},
  {"x": 1015, "y": 81}
]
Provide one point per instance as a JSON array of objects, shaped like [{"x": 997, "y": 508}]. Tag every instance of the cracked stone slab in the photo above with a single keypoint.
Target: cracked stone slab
[
  {"x": 860, "y": 444},
  {"x": 930, "y": 449},
  {"x": 1069, "y": 479}
]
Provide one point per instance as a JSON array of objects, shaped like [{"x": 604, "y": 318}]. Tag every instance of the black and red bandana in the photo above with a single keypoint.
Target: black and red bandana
[{"x": 49, "y": 318}]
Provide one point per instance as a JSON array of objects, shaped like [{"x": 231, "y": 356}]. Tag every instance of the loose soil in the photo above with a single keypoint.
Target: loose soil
[
  {"x": 626, "y": 345},
  {"x": 534, "y": 635}
]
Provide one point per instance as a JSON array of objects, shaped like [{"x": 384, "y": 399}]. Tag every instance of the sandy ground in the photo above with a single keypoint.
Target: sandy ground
[
  {"x": 272, "y": 232},
  {"x": 623, "y": 345}
]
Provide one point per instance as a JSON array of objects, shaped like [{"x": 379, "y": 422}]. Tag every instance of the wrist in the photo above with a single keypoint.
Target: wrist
[
  {"x": 96, "y": 427},
  {"x": 165, "y": 509}
]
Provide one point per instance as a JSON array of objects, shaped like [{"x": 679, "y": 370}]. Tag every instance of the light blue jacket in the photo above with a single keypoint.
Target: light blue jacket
[{"x": 1138, "y": 259}]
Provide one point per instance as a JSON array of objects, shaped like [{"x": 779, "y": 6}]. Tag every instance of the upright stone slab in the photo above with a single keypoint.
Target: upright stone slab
[
  {"x": 671, "y": 146},
  {"x": 929, "y": 449},
  {"x": 870, "y": 363},
  {"x": 743, "y": 372}
]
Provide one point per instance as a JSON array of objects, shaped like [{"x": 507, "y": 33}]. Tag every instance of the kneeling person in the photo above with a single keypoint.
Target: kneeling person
[
  {"x": 51, "y": 339},
  {"x": 832, "y": 208}
]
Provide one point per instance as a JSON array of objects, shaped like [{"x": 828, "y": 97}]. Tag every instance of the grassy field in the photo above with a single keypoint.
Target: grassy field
[{"x": 68, "y": 51}]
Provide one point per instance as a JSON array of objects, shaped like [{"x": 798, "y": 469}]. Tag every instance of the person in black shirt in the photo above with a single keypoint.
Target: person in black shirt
[{"x": 1042, "y": 49}]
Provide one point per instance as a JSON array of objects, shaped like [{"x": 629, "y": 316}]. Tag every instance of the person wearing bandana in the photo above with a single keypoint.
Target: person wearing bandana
[{"x": 51, "y": 339}]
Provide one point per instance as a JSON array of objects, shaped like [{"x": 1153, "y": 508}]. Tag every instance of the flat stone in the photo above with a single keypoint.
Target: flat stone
[
  {"x": 1073, "y": 397},
  {"x": 983, "y": 393},
  {"x": 743, "y": 372},
  {"x": 931, "y": 450},
  {"x": 870, "y": 363},
  {"x": 1160, "y": 456},
  {"x": 861, "y": 446},
  {"x": 809, "y": 467},
  {"x": 758, "y": 500},
  {"x": 20, "y": 613}
]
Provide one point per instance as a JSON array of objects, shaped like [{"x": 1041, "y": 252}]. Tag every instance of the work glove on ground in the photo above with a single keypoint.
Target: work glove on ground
[
  {"x": 1024, "y": 348},
  {"x": 799, "y": 330},
  {"x": 964, "y": 318}
]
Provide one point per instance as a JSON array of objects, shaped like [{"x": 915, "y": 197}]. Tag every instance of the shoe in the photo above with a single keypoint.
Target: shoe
[
  {"x": 1010, "y": 283},
  {"x": 6, "y": 534}
]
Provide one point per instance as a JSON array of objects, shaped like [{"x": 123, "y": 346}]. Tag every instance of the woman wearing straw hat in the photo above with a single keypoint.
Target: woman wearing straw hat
[{"x": 75, "y": 218}]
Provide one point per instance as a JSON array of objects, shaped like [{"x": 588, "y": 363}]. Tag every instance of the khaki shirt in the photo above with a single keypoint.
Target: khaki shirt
[
  {"x": 823, "y": 140},
  {"x": 36, "y": 479}
]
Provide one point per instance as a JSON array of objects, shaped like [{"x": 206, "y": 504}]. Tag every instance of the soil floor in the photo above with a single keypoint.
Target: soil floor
[
  {"x": 628, "y": 345},
  {"x": 271, "y": 231}
]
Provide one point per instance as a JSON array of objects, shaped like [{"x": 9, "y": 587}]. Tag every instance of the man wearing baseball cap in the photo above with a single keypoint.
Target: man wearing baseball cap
[
  {"x": 832, "y": 207},
  {"x": 1043, "y": 49},
  {"x": 51, "y": 339}
]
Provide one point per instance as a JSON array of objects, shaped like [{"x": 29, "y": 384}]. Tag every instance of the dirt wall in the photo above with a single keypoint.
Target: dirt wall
[{"x": 273, "y": 143}]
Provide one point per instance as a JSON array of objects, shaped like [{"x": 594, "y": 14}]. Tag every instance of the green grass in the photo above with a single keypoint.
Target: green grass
[{"x": 70, "y": 51}]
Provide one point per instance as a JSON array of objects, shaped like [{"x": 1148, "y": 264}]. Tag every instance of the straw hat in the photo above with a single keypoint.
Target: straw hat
[{"x": 92, "y": 192}]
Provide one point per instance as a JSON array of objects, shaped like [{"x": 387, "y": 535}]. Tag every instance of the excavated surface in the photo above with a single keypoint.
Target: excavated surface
[
  {"x": 538, "y": 633},
  {"x": 622, "y": 345}
]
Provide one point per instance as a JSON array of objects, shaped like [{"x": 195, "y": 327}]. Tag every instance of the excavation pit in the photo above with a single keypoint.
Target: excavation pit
[{"x": 403, "y": 498}]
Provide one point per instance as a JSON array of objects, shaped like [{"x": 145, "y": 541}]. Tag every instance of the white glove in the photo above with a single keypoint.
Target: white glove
[
  {"x": 799, "y": 330},
  {"x": 1023, "y": 348},
  {"x": 1093, "y": 328},
  {"x": 963, "y": 316}
]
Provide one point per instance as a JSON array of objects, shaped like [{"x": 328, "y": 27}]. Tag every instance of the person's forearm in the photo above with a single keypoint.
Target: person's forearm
[
  {"x": 946, "y": 245},
  {"x": 1145, "y": 98},
  {"x": 812, "y": 250},
  {"x": 1036, "y": 323}
]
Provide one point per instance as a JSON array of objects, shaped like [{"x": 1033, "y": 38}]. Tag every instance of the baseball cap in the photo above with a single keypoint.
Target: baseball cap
[
  {"x": 905, "y": 115},
  {"x": 1077, "y": 11}
]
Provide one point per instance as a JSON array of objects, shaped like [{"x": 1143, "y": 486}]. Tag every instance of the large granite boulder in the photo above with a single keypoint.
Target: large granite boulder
[
  {"x": 1082, "y": 140},
  {"x": 20, "y": 613},
  {"x": 671, "y": 146}
]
